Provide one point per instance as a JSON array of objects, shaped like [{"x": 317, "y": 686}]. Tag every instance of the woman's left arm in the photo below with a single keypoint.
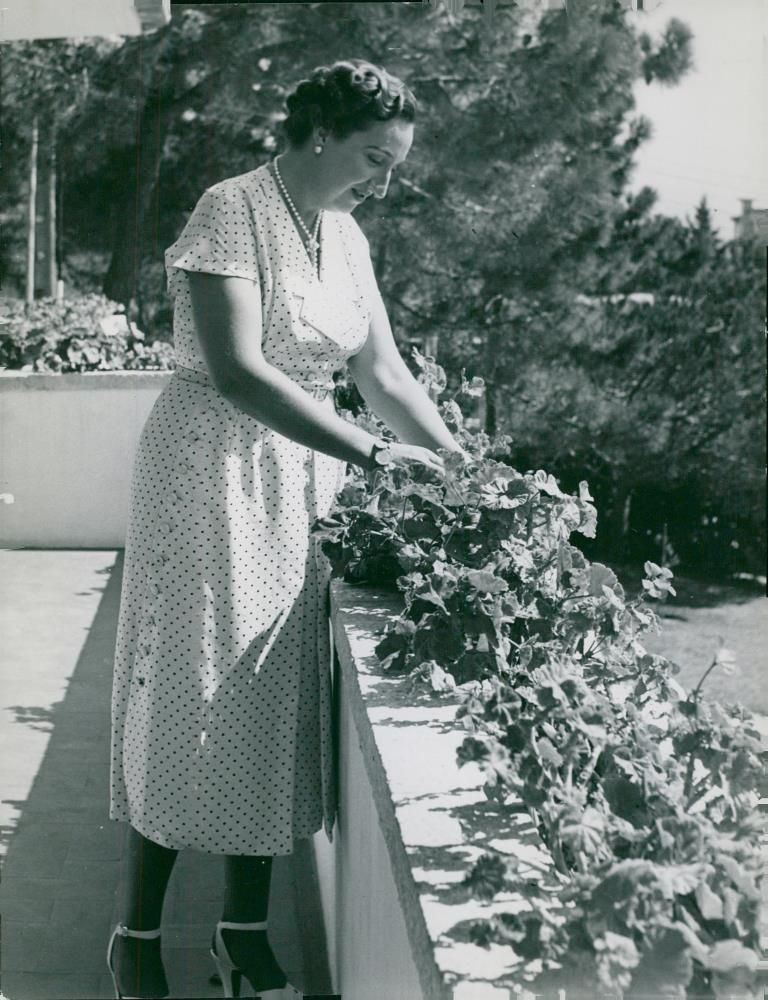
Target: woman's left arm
[{"x": 392, "y": 392}]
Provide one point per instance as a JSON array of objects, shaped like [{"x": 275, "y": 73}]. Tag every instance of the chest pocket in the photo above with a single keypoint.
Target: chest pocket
[{"x": 317, "y": 313}]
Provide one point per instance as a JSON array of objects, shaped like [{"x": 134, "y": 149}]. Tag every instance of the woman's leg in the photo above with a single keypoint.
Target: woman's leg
[
  {"x": 137, "y": 961},
  {"x": 149, "y": 868},
  {"x": 246, "y": 900}
]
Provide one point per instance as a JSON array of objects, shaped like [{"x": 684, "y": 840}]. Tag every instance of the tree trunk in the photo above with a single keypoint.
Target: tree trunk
[
  {"x": 491, "y": 422},
  {"x": 121, "y": 280},
  {"x": 616, "y": 534},
  {"x": 32, "y": 216},
  {"x": 625, "y": 515},
  {"x": 53, "y": 274}
]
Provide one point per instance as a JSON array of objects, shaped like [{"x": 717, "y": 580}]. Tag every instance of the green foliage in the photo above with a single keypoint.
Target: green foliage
[
  {"x": 661, "y": 406},
  {"x": 672, "y": 58},
  {"x": 511, "y": 203},
  {"x": 517, "y": 127},
  {"x": 643, "y": 795},
  {"x": 84, "y": 334}
]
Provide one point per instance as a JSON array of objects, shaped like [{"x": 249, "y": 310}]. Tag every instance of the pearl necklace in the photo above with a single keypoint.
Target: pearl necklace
[{"x": 311, "y": 239}]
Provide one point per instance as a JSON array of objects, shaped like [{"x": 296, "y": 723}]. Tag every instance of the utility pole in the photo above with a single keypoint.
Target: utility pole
[{"x": 32, "y": 216}]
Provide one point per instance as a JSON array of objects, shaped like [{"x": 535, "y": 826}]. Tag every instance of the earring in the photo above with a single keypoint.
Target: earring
[{"x": 318, "y": 149}]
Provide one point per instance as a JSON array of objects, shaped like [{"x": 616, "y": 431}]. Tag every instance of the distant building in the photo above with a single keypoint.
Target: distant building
[
  {"x": 85, "y": 18},
  {"x": 752, "y": 224},
  {"x": 637, "y": 298}
]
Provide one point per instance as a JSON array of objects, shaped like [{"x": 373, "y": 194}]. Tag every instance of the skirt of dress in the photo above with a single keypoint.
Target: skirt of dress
[{"x": 221, "y": 707}]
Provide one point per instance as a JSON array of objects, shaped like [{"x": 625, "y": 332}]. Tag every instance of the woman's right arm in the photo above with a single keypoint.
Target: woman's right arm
[{"x": 227, "y": 314}]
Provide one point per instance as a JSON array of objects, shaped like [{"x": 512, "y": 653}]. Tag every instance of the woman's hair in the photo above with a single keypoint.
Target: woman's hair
[{"x": 348, "y": 96}]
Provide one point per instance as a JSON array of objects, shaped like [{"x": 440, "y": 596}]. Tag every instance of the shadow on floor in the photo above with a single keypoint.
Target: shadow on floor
[{"x": 60, "y": 878}]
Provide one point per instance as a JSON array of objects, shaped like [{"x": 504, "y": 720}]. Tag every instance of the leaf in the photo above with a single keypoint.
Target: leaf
[
  {"x": 391, "y": 651},
  {"x": 612, "y": 598},
  {"x": 427, "y": 593},
  {"x": 504, "y": 494},
  {"x": 547, "y": 752},
  {"x": 681, "y": 879},
  {"x": 410, "y": 556},
  {"x": 740, "y": 877},
  {"x": 486, "y": 582},
  {"x": 710, "y": 904},
  {"x": 729, "y": 955},
  {"x": 426, "y": 491},
  {"x": 474, "y": 387},
  {"x": 625, "y": 798},
  {"x": 583, "y": 833},
  {"x": 546, "y": 483},
  {"x": 439, "y": 679},
  {"x": 666, "y": 963},
  {"x": 600, "y": 576},
  {"x": 621, "y": 949},
  {"x": 588, "y": 524},
  {"x": 731, "y": 901},
  {"x": 515, "y": 738}
]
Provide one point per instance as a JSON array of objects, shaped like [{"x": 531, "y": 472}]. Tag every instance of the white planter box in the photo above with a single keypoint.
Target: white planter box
[
  {"x": 410, "y": 823},
  {"x": 67, "y": 446}
]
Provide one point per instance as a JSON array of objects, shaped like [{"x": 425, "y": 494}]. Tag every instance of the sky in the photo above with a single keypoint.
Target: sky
[{"x": 710, "y": 131}]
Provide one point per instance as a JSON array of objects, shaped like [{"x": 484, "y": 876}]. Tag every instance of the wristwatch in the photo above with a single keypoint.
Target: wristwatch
[{"x": 381, "y": 454}]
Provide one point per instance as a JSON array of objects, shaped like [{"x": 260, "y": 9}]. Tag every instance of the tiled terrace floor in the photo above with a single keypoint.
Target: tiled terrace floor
[{"x": 60, "y": 852}]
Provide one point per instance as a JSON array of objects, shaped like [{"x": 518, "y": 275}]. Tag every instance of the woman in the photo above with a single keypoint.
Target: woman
[{"x": 221, "y": 704}]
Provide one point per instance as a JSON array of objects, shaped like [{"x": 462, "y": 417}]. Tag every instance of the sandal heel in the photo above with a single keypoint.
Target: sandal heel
[{"x": 232, "y": 977}]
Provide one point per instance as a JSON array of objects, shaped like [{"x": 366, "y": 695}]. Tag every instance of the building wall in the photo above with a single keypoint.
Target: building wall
[{"x": 752, "y": 224}]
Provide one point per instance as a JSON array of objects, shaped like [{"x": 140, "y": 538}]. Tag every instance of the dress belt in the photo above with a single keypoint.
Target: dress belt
[{"x": 319, "y": 390}]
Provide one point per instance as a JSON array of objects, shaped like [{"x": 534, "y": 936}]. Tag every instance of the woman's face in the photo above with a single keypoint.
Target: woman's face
[{"x": 361, "y": 165}]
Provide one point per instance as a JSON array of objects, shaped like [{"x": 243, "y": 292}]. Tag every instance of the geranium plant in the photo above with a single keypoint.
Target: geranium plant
[
  {"x": 81, "y": 334},
  {"x": 644, "y": 795}
]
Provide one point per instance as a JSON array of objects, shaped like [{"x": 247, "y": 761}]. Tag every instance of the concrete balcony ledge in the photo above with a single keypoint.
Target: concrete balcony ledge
[
  {"x": 67, "y": 447},
  {"x": 16, "y": 381},
  {"x": 411, "y": 823}
]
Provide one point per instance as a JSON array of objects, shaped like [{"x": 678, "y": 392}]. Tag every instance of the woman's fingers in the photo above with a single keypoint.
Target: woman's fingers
[{"x": 413, "y": 455}]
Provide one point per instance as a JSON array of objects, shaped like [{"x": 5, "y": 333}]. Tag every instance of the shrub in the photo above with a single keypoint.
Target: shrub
[
  {"x": 88, "y": 333},
  {"x": 644, "y": 796}
]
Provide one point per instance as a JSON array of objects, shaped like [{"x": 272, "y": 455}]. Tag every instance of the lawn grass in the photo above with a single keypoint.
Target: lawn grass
[{"x": 694, "y": 622}]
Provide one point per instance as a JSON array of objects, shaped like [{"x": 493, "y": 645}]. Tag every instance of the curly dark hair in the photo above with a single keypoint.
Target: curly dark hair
[{"x": 346, "y": 97}]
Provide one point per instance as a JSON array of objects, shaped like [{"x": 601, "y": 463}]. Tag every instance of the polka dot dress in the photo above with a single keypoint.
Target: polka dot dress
[{"x": 221, "y": 708}]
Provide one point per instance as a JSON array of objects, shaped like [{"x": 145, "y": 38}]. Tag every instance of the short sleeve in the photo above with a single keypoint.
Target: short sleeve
[{"x": 219, "y": 237}]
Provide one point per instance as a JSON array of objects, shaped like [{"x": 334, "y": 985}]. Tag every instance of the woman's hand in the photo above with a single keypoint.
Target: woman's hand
[{"x": 404, "y": 455}]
